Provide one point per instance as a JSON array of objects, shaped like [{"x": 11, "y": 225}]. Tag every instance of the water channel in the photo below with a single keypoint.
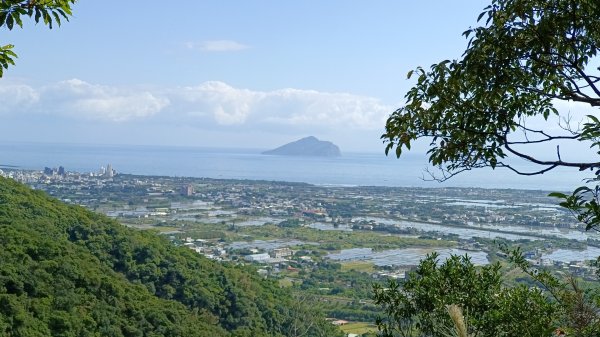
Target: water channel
[{"x": 403, "y": 257}]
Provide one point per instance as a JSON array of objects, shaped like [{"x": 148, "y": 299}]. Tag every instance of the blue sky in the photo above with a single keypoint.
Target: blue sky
[{"x": 251, "y": 74}]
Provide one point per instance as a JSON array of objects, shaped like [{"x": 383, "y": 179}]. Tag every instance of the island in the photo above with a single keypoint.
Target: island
[{"x": 308, "y": 146}]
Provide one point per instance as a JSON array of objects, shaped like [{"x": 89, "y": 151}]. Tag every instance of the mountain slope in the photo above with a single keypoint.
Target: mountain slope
[
  {"x": 308, "y": 146},
  {"x": 65, "y": 271}
]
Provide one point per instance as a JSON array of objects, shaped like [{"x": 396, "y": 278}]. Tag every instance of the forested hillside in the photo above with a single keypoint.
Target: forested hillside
[{"x": 65, "y": 271}]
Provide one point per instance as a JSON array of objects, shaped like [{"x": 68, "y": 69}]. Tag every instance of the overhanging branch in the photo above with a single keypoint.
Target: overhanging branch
[{"x": 550, "y": 163}]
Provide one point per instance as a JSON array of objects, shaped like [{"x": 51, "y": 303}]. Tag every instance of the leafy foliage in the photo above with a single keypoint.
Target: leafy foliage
[
  {"x": 68, "y": 272},
  {"x": 578, "y": 312},
  {"x": 527, "y": 56},
  {"x": 419, "y": 306},
  {"x": 11, "y": 12}
]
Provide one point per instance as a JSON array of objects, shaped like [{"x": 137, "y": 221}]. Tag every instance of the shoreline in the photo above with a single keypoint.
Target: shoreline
[
  {"x": 9, "y": 168},
  {"x": 362, "y": 169}
]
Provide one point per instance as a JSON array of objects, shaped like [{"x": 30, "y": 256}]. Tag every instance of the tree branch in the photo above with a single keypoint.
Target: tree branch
[
  {"x": 553, "y": 163},
  {"x": 522, "y": 173}
]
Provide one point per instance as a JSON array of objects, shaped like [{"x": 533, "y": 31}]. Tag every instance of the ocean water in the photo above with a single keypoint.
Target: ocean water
[{"x": 352, "y": 169}]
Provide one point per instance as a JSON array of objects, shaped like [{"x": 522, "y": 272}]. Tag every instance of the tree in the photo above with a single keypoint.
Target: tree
[
  {"x": 419, "y": 307},
  {"x": 521, "y": 65},
  {"x": 11, "y": 11}
]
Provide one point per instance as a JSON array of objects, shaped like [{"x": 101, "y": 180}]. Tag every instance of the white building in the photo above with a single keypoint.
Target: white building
[
  {"x": 262, "y": 257},
  {"x": 279, "y": 253},
  {"x": 109, "y": 171}
]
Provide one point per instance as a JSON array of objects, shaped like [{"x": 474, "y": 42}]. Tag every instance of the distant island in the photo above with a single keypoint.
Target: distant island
[{"x": 308, "y": 146}]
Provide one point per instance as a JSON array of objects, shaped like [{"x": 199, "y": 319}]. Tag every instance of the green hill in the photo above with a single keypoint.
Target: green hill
[{"x": 65, "y": 271}]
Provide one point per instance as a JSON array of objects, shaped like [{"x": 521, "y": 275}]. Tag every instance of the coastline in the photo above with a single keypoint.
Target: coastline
[{"x": 352, "y": 169}]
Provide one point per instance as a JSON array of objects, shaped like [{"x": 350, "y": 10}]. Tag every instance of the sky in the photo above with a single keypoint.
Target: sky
[{"x": 235, "y": 74}]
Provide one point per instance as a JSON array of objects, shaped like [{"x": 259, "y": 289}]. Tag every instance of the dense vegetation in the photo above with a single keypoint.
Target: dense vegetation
[
  {"x": 66, "y": 271},
  {"x": 419, "y": 307}
]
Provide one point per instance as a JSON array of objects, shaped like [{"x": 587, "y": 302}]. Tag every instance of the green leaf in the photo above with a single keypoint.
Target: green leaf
[
  {"x": 9, "y": 22},
  {"x": 17, "y": 19},
  {"x": 481, "y": 16},
  {"x": 56, "y": 18},
  {"x": 558, "y": 195},
  {"x": 581, "y": 189}
]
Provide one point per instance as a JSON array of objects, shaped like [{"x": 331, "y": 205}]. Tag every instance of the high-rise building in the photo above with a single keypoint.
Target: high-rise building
[
  {"x": 187, "y": 190},
  {"x": 61, "y": 171},
  {"x": 109, "y": 171}
]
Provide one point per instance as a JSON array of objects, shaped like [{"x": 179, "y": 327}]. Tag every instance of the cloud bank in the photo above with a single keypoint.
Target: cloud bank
[
  {"x": 208, "y": 105},
  {"x": 79, "y": 99}
]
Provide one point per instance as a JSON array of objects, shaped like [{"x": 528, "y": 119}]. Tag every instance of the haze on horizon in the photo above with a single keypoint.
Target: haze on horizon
[{"x": 224, "y": 74}]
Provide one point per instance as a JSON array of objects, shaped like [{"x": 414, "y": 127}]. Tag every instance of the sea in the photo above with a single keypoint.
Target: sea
[{"x": 351, "y": 169}]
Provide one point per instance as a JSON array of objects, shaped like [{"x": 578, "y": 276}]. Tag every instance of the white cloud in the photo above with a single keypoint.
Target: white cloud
[
  {"x": 290, "y": 107},
  {"x": 332, "y": 109},
  {"x": 15, "y": 97},
  {"x": 80, "y": 99},
  {"x": 217, "y": 46},
  {"x": 119, "y": 108},
  {"x": 210, "y": 105},
  {"x": 226, "y": 104}
]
